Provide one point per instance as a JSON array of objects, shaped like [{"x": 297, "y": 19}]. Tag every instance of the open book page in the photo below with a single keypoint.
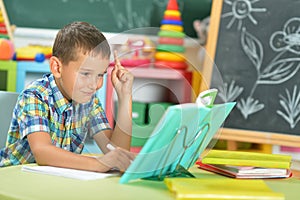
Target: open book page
[
  {"x": 68, "y": 173},
  {"x": 252, "y": 170}
]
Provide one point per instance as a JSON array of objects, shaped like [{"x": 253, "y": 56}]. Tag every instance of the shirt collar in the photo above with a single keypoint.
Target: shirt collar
[{"x": 60, "y": 102}]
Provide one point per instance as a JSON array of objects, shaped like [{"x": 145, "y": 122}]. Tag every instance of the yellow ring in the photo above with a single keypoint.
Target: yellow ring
[
  {"x": 172, "y": 13},
  {"x": 167, "y": 56},
  {"x": 167, "y": 27}
]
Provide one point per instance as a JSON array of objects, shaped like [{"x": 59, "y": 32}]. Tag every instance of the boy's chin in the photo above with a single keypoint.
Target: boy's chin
[{"x": 82, "y": 100}]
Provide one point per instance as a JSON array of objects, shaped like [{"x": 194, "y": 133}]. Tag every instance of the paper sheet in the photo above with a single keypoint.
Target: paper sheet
[{"x": 68, "y": 173}]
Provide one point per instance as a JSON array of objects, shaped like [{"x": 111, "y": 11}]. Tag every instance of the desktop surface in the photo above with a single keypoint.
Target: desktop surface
[{"x": 16, "y": 184}]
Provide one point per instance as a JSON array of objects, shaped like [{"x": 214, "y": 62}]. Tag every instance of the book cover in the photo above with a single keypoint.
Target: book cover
[
  {"x": 220, "y": 188},
  {"x": 246, "y": 172},
  {"x": 239, "y": 158}
]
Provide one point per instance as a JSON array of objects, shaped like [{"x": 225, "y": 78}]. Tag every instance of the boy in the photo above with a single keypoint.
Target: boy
[{"x": 54, "y": 114}]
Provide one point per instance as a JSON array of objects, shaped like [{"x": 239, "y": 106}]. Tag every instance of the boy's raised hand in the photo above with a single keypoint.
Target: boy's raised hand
[{"x": 121, "y": 78}]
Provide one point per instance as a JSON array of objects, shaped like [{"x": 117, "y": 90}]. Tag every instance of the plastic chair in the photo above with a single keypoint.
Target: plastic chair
[{"x": 7, "y": 104}]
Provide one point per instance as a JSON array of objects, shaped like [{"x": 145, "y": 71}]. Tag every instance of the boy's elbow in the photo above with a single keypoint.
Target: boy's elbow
[
  {"x": 41, "y": 147},
  {"x": 39, "y": 158},
  {"x": 42, "y": 155}
]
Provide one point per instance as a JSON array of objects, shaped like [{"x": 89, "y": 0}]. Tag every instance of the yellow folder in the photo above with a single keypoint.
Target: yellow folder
[
  {"x": 226, "y": 157},
  {"x": 220, "y": 188}
]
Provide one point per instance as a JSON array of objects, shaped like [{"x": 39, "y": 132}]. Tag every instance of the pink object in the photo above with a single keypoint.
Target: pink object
[
  {"x": 290, "y": 149},
  {"x": 135, "y": 149},
  {"x": 133, "y": 62}
]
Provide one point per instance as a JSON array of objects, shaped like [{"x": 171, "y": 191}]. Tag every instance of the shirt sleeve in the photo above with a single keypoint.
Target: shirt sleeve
[
  {"x": 98, "y": 119},
  {"x": 32, "y": 114}
]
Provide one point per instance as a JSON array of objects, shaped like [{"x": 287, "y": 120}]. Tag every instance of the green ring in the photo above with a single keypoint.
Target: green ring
[
  {"x": 171, "y": 48},
  {"x": 175, "y": 34}
]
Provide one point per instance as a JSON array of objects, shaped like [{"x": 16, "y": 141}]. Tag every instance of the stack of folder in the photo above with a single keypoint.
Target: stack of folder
[{"x": 246, "y": 164}]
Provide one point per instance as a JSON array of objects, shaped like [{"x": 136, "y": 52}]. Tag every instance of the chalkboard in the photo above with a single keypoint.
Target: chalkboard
[
  {"x": 255, "y": 46},
  {"x": 107, "y": 15}
]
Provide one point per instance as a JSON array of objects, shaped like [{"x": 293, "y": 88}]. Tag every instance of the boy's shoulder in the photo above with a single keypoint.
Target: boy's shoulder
[{"x": 40, "y": 86}]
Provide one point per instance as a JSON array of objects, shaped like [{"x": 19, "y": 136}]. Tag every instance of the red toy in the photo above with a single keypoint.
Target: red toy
[{"x": 6, "y": 49}]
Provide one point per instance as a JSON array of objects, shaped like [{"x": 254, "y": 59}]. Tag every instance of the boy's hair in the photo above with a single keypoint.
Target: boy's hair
[{"x": 79, "y": 37}]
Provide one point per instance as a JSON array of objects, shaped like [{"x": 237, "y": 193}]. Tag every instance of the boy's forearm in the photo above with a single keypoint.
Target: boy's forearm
[
  {"x": 123, "y": 130},
  {"x": 54, "y": 156}
]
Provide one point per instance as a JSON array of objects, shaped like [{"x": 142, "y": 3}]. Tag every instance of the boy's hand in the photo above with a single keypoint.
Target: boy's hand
[
  {"x": 121, "y": 78},
  {"x": 117, "y": 158}
]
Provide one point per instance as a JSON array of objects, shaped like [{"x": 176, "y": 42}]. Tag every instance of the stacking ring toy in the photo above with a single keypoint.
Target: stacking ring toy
[
  {"x": 175, "y": 34},
  {"x": 172, "y": 13},
  {"x": 170, "y": 48},
  {"x": 170, "y": 17},
  {"x": 171, "y": 22},
  {"x": 167, "y": 27},
  {"x": 168, "y": 56},
  {"x": 171, "y": 64},
  {"x": 170, "y": 40}
]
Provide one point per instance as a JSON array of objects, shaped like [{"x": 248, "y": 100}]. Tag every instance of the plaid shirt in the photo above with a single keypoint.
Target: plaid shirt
[{"x": 42, "y": 108}]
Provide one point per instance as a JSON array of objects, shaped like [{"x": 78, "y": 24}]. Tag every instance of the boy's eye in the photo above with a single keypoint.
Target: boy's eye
[{"x": 85, "y": 73}]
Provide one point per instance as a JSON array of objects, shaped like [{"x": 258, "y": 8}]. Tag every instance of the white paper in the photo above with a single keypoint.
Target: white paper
[
  {"x": 68, "y": 173},
  {"x": 264, "y": 171}
]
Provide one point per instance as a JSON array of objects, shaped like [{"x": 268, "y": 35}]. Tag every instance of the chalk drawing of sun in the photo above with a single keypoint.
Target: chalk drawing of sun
[{"x": 240, "y": 10}]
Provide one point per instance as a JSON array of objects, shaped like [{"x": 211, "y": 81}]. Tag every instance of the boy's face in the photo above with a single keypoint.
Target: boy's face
[{"x": 82, "y": 78}]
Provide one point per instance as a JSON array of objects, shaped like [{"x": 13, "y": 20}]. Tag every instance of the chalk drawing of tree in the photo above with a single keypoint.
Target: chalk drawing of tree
[
  {"x": 230, "y": 92},
  {"x": 279, "y": 70},
  {"x": 291, "y": 107},
  {"x": 249, "y": 106}
]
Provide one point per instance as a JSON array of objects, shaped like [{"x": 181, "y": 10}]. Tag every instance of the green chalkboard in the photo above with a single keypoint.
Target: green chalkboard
[
  {"x": 255, "y": 47},
  {"x": 107, "y": 15}
]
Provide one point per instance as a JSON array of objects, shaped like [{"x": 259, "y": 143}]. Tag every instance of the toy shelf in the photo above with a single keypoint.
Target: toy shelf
[
  {"x": 8, "y": 75},
  {"x": 28, "y": 71}
]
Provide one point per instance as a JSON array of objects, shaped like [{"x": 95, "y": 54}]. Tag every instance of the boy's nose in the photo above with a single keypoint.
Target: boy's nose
[{"x": 93, "y": 82}]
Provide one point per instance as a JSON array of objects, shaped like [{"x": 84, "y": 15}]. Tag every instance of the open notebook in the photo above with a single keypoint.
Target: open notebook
[{"x": 67, "y": 173}]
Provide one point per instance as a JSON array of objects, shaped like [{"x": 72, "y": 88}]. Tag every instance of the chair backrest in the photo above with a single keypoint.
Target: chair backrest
[{"x": 7, "y": 103}]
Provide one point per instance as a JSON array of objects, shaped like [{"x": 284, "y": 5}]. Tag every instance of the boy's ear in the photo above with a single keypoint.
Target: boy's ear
[{"x": 55, "y": 66}]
